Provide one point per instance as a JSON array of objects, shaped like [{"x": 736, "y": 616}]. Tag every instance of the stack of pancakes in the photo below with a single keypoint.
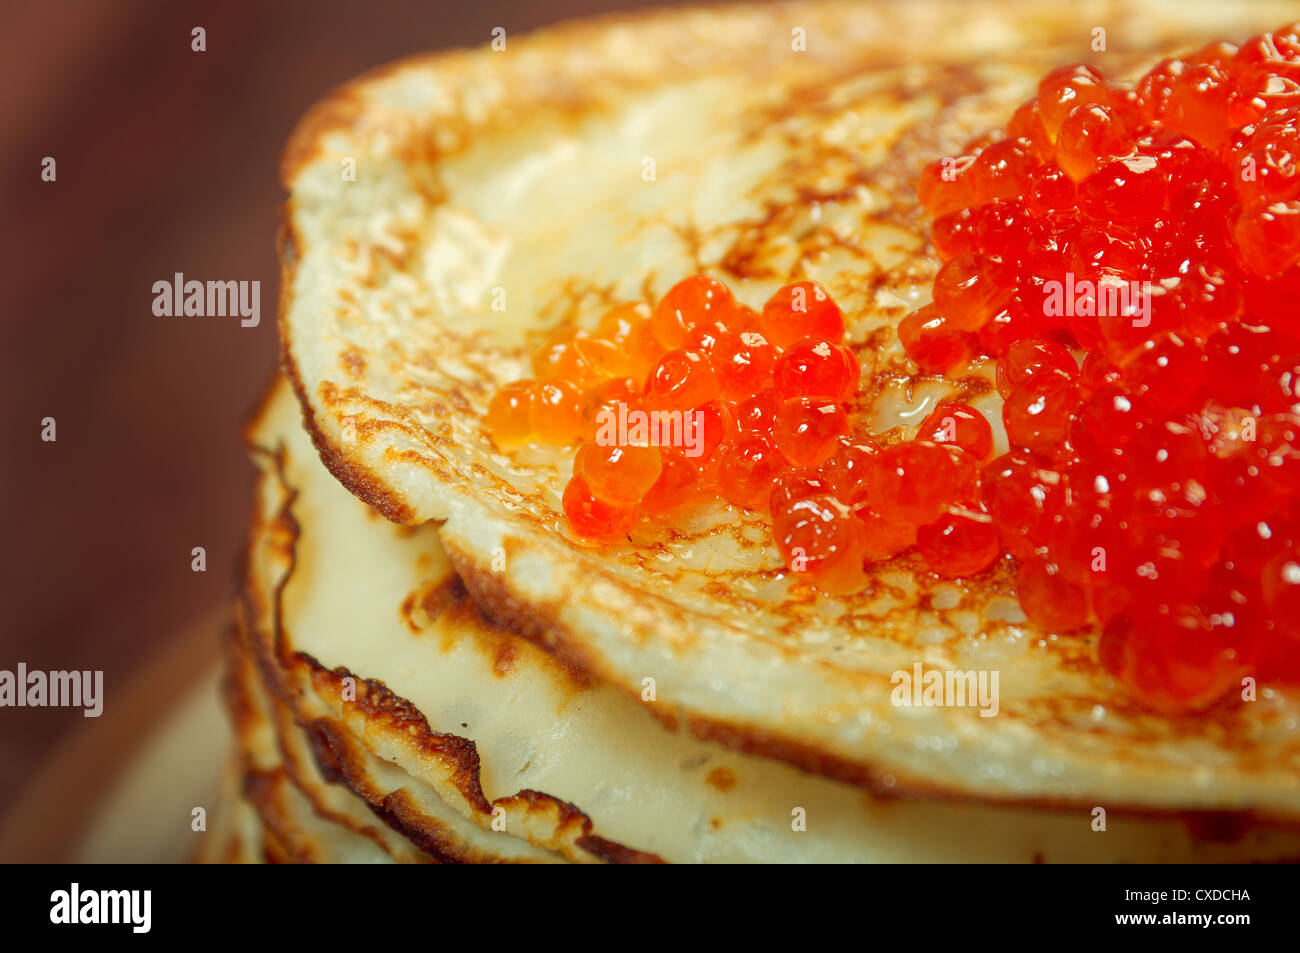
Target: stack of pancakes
[{"x": 426, "y": 666}]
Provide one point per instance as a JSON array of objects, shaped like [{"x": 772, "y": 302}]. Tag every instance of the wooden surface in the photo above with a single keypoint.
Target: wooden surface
[{"x": 166, "y": 161}]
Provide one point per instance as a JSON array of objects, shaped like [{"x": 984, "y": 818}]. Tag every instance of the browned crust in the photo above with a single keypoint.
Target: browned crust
[
  {"x": 340, "y": 762},
  {"x": 395, "y": 808},
  {"x": 379, "y": 705},
  {"x": 345, "y": 763},
  {"x": 234, "y": 692},
  {"x": 284, "y": 722},
  {"x": 724, "y": 779},
  {"x": 358, "y": 479},
  {"x": 261, "y": 788},
  {"x": 328, "y": 763},
  {"x": 336, "y": 761},
  {"x": 340, "y": 107},
  {"x": 542, "y": 625}
]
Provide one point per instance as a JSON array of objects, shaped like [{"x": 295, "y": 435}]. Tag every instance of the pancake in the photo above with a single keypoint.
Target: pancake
[
  {"x": 294, "y": 827},
  {"x": 335, "y": 591},
  {"x": 307, "y": 736},
  {"x": 499, "y": 195},
  {"x": 234, "y": 836}
]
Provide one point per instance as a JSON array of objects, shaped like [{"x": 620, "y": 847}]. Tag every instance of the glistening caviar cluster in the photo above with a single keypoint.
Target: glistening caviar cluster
[
  {"x": 1155, "y": 491},
  {"x": 755, "y": 395},
  {"x": 767, "y": 391},
  {"x": 1130, "y": 257}
]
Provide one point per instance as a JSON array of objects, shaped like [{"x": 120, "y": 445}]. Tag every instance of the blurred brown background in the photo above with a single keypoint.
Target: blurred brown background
[{"x": 166, "y": 162}]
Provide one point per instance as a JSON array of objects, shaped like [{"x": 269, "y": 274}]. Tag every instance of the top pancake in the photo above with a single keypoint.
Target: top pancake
[{"x": 497, "y": 195}]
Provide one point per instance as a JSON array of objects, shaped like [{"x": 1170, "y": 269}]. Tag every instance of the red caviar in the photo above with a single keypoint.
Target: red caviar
[
  {"x": 678, "y": 484},
  {"x": 961, "y": 425},
  {"x": 816, "y": 367},
  {"x": 731, "y": 403},
  {"x": 1129, "y": 255},
  {"x": 806, "y": 430},
  {"x": 801, "y": 310},
  {"x": 746, "y": 473},
  {"x": 680, "y": 381},
  {"x": 509, "y": 416},
  {"x": 1151, "y": 233},
  {"x": 556, "y": 411},
  {"x": 961, "y": 542},
  {"x": 592, "y": 518},
  {"x": 820, "y": 536},
  {"x": 689, "y": 304},
  {"x": 620, "y": 475}
]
